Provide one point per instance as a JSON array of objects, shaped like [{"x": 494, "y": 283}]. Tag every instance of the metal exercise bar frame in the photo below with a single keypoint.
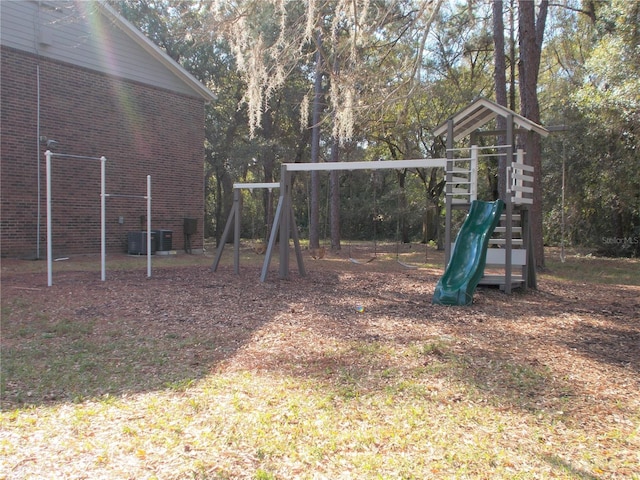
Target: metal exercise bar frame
[
  {"x": 49, "y": 156},
  {"x": 103, "y": 196},
  {"x": 67, "y": 155},
  {"x": 146, "y": 197}
]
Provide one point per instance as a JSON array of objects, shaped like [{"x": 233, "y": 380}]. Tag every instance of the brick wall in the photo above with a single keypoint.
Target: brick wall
[{"x": 141, "y": 131}]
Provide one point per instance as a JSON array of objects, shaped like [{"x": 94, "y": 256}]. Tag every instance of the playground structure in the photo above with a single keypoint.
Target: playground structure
[
  {"x": 510, "y": 251},
  {"x": 234, "y": 220},
  {"x": 514, "y": 247},
  {"x": 103, "y": 197},
  {"x": 284, "y": 226}
]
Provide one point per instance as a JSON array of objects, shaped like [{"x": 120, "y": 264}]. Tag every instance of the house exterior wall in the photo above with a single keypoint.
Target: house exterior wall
[
  {"x": 78, "y": 33},
  {"x": 140, "y": 129}
]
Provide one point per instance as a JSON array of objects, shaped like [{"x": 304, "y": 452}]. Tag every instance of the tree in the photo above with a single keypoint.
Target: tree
[
  {"x": 500, "y": 81},
  {"x": 314, "y": 222},
  {"x": 169, "y": 24},
  {"x": 531, "y": 34},
  {"x": 595, "y": 95},
  {"x": 361, "y": 41}
]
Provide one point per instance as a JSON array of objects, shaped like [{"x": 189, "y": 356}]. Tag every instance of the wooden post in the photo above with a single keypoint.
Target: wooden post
[
  {"x": 227, "y": 228},
  {"x": 272, "y": 238},
  {"x": 508, "y": 207},
  {"x": 531, "y": 280},
  {"x": 296, "y": 244},
  {"x": 285, "y": 222},
  {"x": 448, "y": 194},
  {"x": 237, "y": 201}
]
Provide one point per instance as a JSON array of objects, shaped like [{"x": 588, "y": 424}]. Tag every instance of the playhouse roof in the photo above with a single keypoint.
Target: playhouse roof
[{"x": 481, "y": 111}]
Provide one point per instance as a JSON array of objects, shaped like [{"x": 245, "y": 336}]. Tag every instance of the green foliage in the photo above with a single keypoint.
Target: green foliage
[
  {"x": 407, "y": 74},
  {"x": 596, "y": 96}
]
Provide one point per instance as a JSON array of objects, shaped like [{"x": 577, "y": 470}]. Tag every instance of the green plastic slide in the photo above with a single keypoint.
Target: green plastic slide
[{"x": 466, "y": 266}]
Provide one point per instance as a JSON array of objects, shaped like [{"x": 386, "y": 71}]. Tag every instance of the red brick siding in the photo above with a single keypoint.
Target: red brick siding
[{"x": 141, "y": 130}]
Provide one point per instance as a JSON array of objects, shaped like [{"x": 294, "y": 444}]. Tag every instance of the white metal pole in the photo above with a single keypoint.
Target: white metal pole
[
  {"x": 48, "y": 155},
  {"x": 149, "y": 226},
  {"x": 562, "y": 256},
  {"x": 39, "y": 209},
  {"x": 103, "y": 228}
]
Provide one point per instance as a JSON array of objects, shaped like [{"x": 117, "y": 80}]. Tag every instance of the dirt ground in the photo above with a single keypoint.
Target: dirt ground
[{"x": 585, "y": 335}]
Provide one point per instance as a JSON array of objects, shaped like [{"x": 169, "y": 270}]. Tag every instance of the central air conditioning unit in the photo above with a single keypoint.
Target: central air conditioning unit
[
  {"x": 164, "y": 241},
  {"x": 137, "y": 243}
]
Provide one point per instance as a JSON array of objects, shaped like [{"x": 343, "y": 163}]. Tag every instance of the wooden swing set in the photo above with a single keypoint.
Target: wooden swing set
[
  {"x": 235, "y": 215},
  {"x": 461, "y": 177},
  {"x": 284, "y": 227}
]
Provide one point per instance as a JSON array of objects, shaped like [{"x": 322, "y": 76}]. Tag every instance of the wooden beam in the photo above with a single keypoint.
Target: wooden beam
[
  {"x": 251, "y": 186},
  {"x": 379, "y": 165},
  {"x": 235, "y": 212}
]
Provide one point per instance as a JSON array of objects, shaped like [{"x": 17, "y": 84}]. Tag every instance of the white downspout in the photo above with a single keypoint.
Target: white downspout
[{"x": 38, "y": 165}]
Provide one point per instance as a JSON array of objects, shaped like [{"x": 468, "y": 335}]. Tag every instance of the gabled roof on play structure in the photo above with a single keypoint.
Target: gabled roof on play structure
[{"x": 480, "y": 112}]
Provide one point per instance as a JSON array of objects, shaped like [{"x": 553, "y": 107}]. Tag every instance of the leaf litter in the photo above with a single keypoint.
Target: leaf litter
[{"x": 129, "y": 378}]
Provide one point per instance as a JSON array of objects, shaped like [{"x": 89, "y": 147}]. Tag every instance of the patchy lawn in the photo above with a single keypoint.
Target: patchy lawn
[{"x": 349, "y": 372}]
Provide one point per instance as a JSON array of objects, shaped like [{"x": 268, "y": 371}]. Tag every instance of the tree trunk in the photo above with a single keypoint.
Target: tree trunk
[
  {"x": 334, "y": 192},
  {"x": 210, "y": 191},
  {"x": 218, "y": 210},
  {"x": 226, "y": 202},
  {"x": 224, "y": 183},
  {"x": 434, "y": 186},
  {"x": 531, "y": 32},
  {"x": 512, "y": 56},
  {"x": 403, "y": 226},
  {"x": 334, "y": 185},
  {"x": 500, "y": 89},
  {"x": 268, "y": 165},
  {"x": 314, "y": 217}
]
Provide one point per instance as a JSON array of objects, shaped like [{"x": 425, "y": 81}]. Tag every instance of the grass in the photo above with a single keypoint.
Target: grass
[
  {"x": 587, "y": 268},
  {"x": 66, "y": 356},
  {"x": 248, "y": 425},
  {"x": 417, "y": 409}
]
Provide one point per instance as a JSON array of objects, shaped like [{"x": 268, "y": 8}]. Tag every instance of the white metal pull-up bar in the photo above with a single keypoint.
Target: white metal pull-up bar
[
  {"x": 103, "y": 196},
  {"x": 147, "y": 197}
]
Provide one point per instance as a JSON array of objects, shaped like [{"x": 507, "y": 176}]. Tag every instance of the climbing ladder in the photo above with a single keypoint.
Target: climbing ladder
[
  {"x": 509, "y": 262},
  {"x": 462, "y": 178},
  {"x": 513, "y": 233}
]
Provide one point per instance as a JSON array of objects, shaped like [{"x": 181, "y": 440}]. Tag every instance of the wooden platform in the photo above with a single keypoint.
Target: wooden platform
[{"x": 517, "y": 281}]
